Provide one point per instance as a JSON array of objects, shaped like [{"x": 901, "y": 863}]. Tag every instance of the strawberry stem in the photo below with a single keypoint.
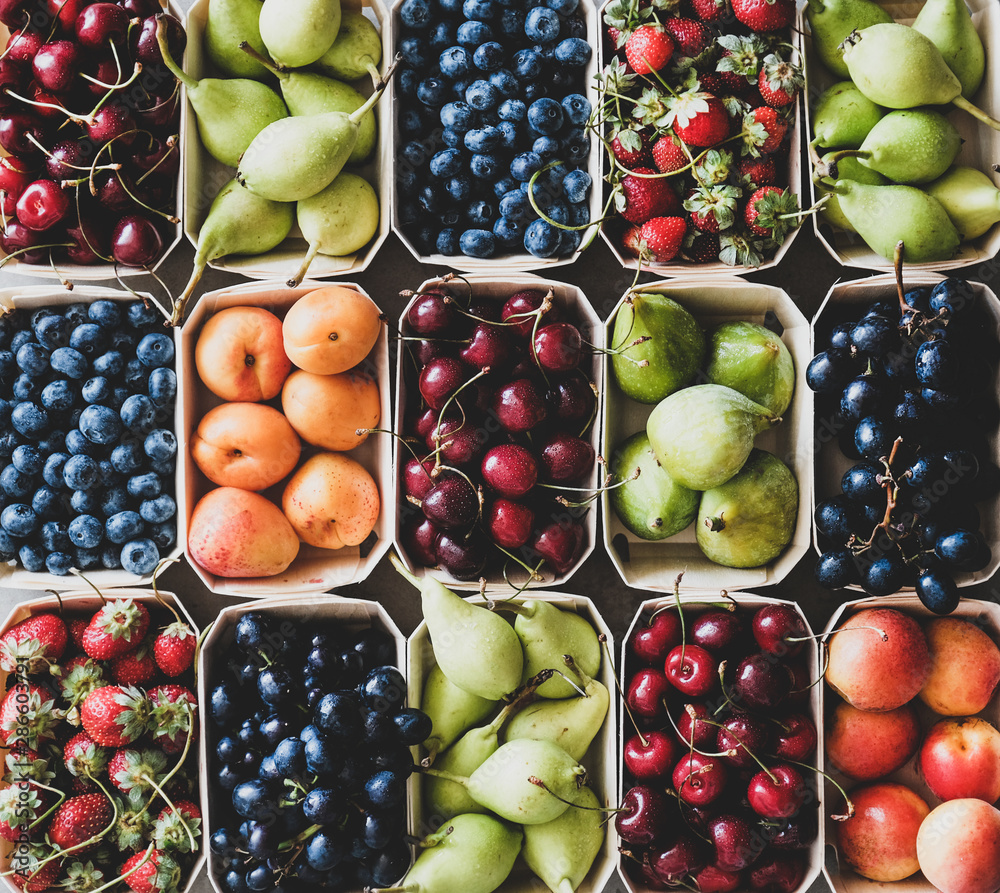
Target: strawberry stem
[{"x": 152, "y": 783}]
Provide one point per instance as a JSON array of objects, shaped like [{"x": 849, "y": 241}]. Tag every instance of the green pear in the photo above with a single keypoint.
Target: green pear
[
  {"x": 751, "y": 359},
  {"x": 653, "y": 505},
  {"x": 832, "y": 20},
  {"x": 748, "y": 521},
  {"x": 843, "y": 116},
  {"x": 886, "y": 215},
  {"x": 969, "y": 198},
  {"x": 298, "y": 32},
  {"x": 702, "y": 435},
  {"x": 452, "y": 710},
  {"x": 572, "y": 723},
  {"x": 230, "y": 23},
  {"x": 847, "y": 169},
  {"x": 231, "y": 112},
  {"x": 225, "y": 232},
  {"x": 562, "y": 851},
  {"x": 656, "y": 347},
  {"x": 357, "y": 50},
  {"x": 337, "y": 221},
  {"x": 476, "y": 649},
  {"x": 470, "y": 853},
  {"x": 949, "y": 26}
]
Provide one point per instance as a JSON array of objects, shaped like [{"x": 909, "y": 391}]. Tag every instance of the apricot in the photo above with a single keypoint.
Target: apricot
[
  {"x": 960, "y": 758},
  {"x": 958, "y": 847},
  {"x": 328, "y": 410},
  {"x": 965, "y": 667},
  {"x": 331, "y": 329},
  {"x": 246, "y": 445},
  {"x": 866, "y": 745}
]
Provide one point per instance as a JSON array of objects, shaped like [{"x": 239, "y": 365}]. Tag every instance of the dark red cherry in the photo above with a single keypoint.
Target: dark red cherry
[
  {"x": 15, "y": 128},
  {"x": 460, "y": 441},
  {"x": 420, "y": 541},
  {"x": 15, "y": 13},
  {"x": 113, "y": 188},
  {"x": 425, "y": 350},
  {"x": 56, "y": 65},
  {"x": 774, "y": 625},
  {"x": 43, "y": 204},
  {"x": 717, "y": 630},
  {"x": 417, "y": 477},
  {"x": 15, "y": 177},
  {"x": 140, "y": 9},
  {"x": 736, "y": 844},
  {"x": 712, "y": 879},
  {"x": 440, "y": 379},
  {"x": 677, "y": 858},
  {"x": 778, "y": 874},
  {"x": 67, "y": 160},
  {"x": 652, "y": 639},
  {"x": 16, "y": 237},
  {"x": 509, "y": 523},
  {"x": 112, "y": 122},
  {"x": 650, "y": 755},
  {"x": 558, "y": 347},
  {"x": 798, "y": 833},
  {"x": 13, "y": 76},
  {"x": 147, "y": 50},
  {"x": 761, "y": 682},
  {"x": 489, "y": 346},
  {"x": 463, "y": 557},
  {"x": 431, "y": 315},
  {"x": 53, "y": 109},
  {"x": 520, "y": 308},
  {"x": 692, "y": 670},
  {"x": 646, "y": 692},
  {"x": 645, "y": 815},
  {"x": 699, "y": 779},
  {"x": 66, "y": 11},
  {"x": 451, "y": 503},
  {"x": 135, "y": 241},
  {"x": 22, "y": 46},
  {"x": 519, "y": 406},
  {"x": 100, "y": 24},
  {"x": 510, "y": 469},
  {"x": 89, "y": 242},
  {"x": 161, "y": 156},
  {"x": 425, "y": 422},
  {"x": 559, "y": 543},
  {"x": 571, "y": 399},
  {"x": 155, "y": 111},
  {"x": 796, "y": 738},
  {"x": 694, "y": 727},
  {"x": 779, "y": 793},
  {"x": 745, "y": 734},
  {"x": 566, "y": 458}
]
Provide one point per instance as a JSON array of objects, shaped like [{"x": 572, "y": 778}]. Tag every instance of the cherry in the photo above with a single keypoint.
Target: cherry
[
  {"x": 718, "y": 631},
  {"x": 67, "y": 11},
  {"x": 734, "y": 840},
  {"x": 65, "y": 159},
  {"x": 12, "y": 77},
  {"x": 417, "y": 479},
  {"x": 558, "y": 347},
  {"x": 135, "y": 241},
  {"x": 53, "y": 110},
  {"x": 682, "y": 856},
  {"x": 419, "y": 540},
  {"x": 161, "y": 156},
  {"x": 761, "y": 683},
  {"x": 691, "y": 669},
  {"x": 489, "y": 346},
  {"x": 559, "y": 543},
  {"x": 778, "y": 874},
  {"x": 646, "y": 691},
  {"x": 424, "y": 351},
  {"x": 773, "y": 625},
  {"x": 113, "y": 188},
  {"x": 519, "y": 405},
  {"x": 15, "y": 236},
  {"x": 699, "y": 779},
  {"x": 460, "y": 441},
  {"x": 780, "y": 796},
  {"x": 112, "y": 122},
  {"x": 156, "y": 111},
  {"x": 42, "y": 204},
  {"x": 691, "y": 727},
  {"x": 431, "y": 315},
  {"x": 22, "y": 46},
  {"x": 15, "y": 127},
  {"x": 644, "y": 816},
  {"x": 650, "y": 756},
  {"x": 510, "y": 469},
  {"x": 565, "y": 458},
  {"x": 425, "y": 423},
  {"x": 509, "y": 523},
  {"x": 56, "y": 64},
  {"x": 464, "y": 558},
  {"x": 14, "y": 179},
  {"x": 99, "y": 24},
  {"x": 14, "y": 13},
  {"x": 451, "y": 503},
  {"x": 89, "y": 243},
  {"x": 571, "y": 399},
  {"x": 712, "y": 879},
  {"x": 798, "y": 832},
  {"x": 801, "y": 682},
  {"x": 745, "y": 734},
  {"x": 651, "y": 640},
  {"x": 141, "y": 8},
  {"x": 147, "y": 49},
  {"x": 520, "y": 310},
  {"x": 796, "y": 739},
  {"x": 439, "y": 380}
]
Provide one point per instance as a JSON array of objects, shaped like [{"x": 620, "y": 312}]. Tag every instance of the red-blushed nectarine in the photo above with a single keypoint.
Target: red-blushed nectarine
[
  {"x": 331, "y": 329},
  {"x": 880, "y": 840},
  {"x": 240, "y": 356},
  {"x": 328, "y": 410},
  {"x": 878, "y": 659},
  {"x": 958, "y": 847},
  {"x": 246, "y": 445},
  {"x": 331, "y": 501},
  {"x": 239, "y": 533},
  {"x": 965, "y": 667},
  {"x": 960, "y": 758},
  {"x": 866, "y": 745}
]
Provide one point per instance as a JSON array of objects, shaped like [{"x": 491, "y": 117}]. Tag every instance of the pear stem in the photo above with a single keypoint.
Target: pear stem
[
  {"x": 359, "y": 113},
  {"x": 180, "y": 304},
  {"x": 168, "y": 60},
  {"x": 278, "y": 72},
  {"x": 308, "y": 259},
  {"x": 976, "y": 112},
  {"x": 403, "y": 571}
]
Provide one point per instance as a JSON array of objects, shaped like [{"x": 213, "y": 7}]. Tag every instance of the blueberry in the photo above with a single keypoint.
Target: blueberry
[
  {"x": 458, "y": 115},
  {"x": 509, "y": 231},
  {"x": 545, "y": 116},
  {"x": 483, "y": 139},
  {"x": 414, "y": 51},
  {"x": 524, "y": 166},
  {"x": 452, "y": 138},
  {"x": 159, "y": 509},
  {"x": 532, "y": 91},
  {"x": 86, "y": 531},
  {"x": 144, "y": 486},
  {"x": 105, "y": 313},
  {"x": 407, "y": 80},
  {"x": 16, "y": 483},
  {"x": 458, "y": 188},
  {"x": 27, "y": 387},
  {"x": 111, "y": 557},
  {"x": 512, "y": 23},
  {"x": 512, "y": 110},
  {"x": 163, "y": 535},
  {"x": 85, "y": 501},
  {"x": 164, "y": 469},
  {"x": 8, "y": 365},
  {"x": 19, "y": 519},
  {"x": 576, "y": 107},
  {"x": 76, "y": 444},
  {"x": 482, "y": 95},
  {"x": 9, "y": 441},
  {"x": 477, "y": 243},
  {"x": 28, "y": 459},
  {"x": 431, "y": 199},
  {"x": 576, "y": 145},
  {"x": 480, "y": 10},
  {"x": 128, "y": 456},
  {"x": 472, "y": 34},
  {"x": 89, "y": 339},
  {"x": 8, "y": 546},
  {"x": 488, "y": 56},
  {"x": 32, "y": 358},
  {"x": 54, "y": 537},
  {"x": 576, "y": 186},
  {"x": 527, "y": 64},
  {"x": 52, "y": 331},
  {"x": 480, "y": 214},
  {"x": 541, "y": 25},
  {"x": 411, "y": 122},
  {"x": 86, "y": 559},
  {"x": 443, "y": 34},
  {"x": 80, "y": 472},
  {"x": 416, "y": 13},
  {"x": 100, "y": 424},
  {"x": 58, "y": 563},
  {"x": 485, "y": 166},
  {"x": 69, "y": 362},
  {"x": 509, "y": 141},
  {"x": 138, "y": 413},
  {"x": 118, "y": 397},
  {"x": 32, "y": 558},
  {"x": 20, "y": 338},
  {"x": 573, "y": 52},
  {"x": 505, "y": 83},
  {"x": 455, "y": 62},
  {"x": 110, "y": 363},
  {"x": 414, "y": 153},
  {"x": 446, "y": 163},
  {"x": 136, "y": 376},
  {"x": 407, "y": 181},
  {"x": 123, "y": 526},
  {"x": 95, "y": 390},
  {"x": 52, "y": 471},
  {"x": 432, "y": 91},
  {"x": 47, "y": 503},
  {"x": 541, "y": 239},
  {"x": 29, "y": 419},
  {"x": 447, "y": 242}
]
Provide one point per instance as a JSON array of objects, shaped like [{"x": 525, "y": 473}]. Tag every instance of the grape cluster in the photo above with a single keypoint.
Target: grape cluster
[{"x": 909, "y": 384}]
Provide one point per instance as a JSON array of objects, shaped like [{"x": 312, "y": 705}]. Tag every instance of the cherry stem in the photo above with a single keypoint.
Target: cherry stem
[
  {"x": 897, "y": 267},
  {"x": 836, "y": 784},
  {"x": 532, "y": 572},
  {"x": 628, "y": 710}
]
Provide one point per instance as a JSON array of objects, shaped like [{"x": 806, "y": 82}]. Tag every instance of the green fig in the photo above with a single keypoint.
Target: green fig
[
  {"x": 885, "y": 215},
  {"x": 230, "y": 23},
  {"x": 653, "y": 506},
  {"x": 476, "y": 649},
  {"x": 748, "y": 521},
  {"x": 832, "y": 20},
  {"x": 337, "y": 221},
  {"x": 470, "y": 853},
  {"x": 298, "y": 32},
  {"x": 562, "y": 851},
  {"x": 753, "y": 360},
  {"x": 949, "y": 26},
  {"x": 357, "y": 50},
  {"x": 843, "y": 116},
  {"x": 231, "y": 112},
  {"x": 703, "y": 434},
  {"x": 900, "y": 68},
  {"x": 847, "y": 169},
  {"x": 656, "y": 348},
  {"x": 970, "y": 199},
  {"x": 225, "y": 231},
  {"x": 452, "y": 711}
]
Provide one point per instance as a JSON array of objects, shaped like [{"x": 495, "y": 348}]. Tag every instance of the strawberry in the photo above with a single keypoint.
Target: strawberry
[
  {"x": 135, "y": 667},
  {"x": 771, "y": 212},
  {"x": 713, "y": 208},
  {"x": 28, "y": 714},
  {"x": 85, "y": 876},
  {"x": 169, "y": 832},
  {"x": 764, "y": 15},
  {"x": 115, "y": 715},
  {"x": 630, "y": 148},
  {"x": 30, "y": 875},
  {"x": 691, "y": 37},
  {"x": 756, "y": 172},
  {"x": 738, "y": 250},
  {"x": 79, "y": 822},
  {"x": 668, "y": 155},
  {"x": 174, "y": 648},
  {"x": 698, "y": 119},
  {"x": 644, "y": 197},
  {"x": 80, "y": 676},
  {"x": 152, "y": 871},
  {"x": 132, "y": 829},
  {"x": 763, "y": 131},
  {"x": 25, "y": 764},
  {"x": 779, "y": 81},
  {"x": 131, "y": 769},
  {"x": 82, "y": 757},
  {"x": 710, "y": 10},
  {"x": 632, "y": 241},
  {"x": 172, "y": 716},
  {"x": 704, "y": 249},
  {"x": 34, "y": 643},
  {"x": 715, "y": 168},
  {"x": 116, "y": 629},
  {"x": 648, "y": 49},
  {"x": 20, "y": 805},
  {"x": 663, "y": 237},
  {"x": 76, "y": 627}
]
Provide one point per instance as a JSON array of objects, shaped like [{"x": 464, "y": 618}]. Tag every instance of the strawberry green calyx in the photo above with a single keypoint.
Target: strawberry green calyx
[
  {"x": 739, "y": 250},
  {"x": 774, "y": 213},
  {"x": 152, "y": 870},
  {"x": 20, "y": 804},
  {"x": 781, "y": 76},
  {"x": 83, "y": 758},
  {"x": 715, "y": 168},
  {"x": 684, "y": 108},
  {"x": 742, "y": 55},
  {"x": 119, "y": 621},
  {"x": 34, "y": 721},
  {"x": 24, "y": 764},
  {"x": 25, "y": 657},
  {"x": 714, "y": 202},
  {"x": 175, "y": 829},
  {"x": 84, "y": 877},
  {"x": 131, "y": 830},
  {"x": 624, "y": 16},
  {"x": 653, "y": 109},
  {"x": 114, "y": 715},
  {"x": 130, "y": 770}
]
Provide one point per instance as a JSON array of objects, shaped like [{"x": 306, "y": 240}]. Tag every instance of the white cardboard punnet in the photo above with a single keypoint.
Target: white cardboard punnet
[
  {"x": 848, "y": 301},
  {"x": 499, "y": 288},
  {"x": 314, "y": 570},
  {"x": 34, "y": 297},
  {"x": 654, "y": 565},
  {"x": 204, "y": 176},
  {"x": 980, "y": 144}
]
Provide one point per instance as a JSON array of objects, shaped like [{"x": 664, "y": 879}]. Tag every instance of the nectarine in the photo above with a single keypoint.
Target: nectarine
[
  {"x": 331, "y": 501},
  {"x": 965, "y": 667},
  {"x": 866, "y": 745},
  {"x": 247, "y": 445},
  {"x": 328, "y": 410},
  {"x": 960, "y": 758},
  {"x": 958, "y": 847},
  {"x": 239, "y": 354},
  {"x": 331, "y": 329}
]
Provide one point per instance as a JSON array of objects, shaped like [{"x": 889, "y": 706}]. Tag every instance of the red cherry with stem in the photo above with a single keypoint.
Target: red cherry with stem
[
  {"x": 509, "y": 523},
  {"x": 22, "y": 46},
  {"x": 16, "y": 237},
  {"x": 21, "y": 133},
  {"x": 463, "y": 557},
  {"x": 736, "y": 844},
  {"x": 717, "y": 630},
  {"x": 691, "y": 669},
  {"x": 420, "y": 540},
  {"x": 147, "y": 49},
  {"x": 649, "y": 756},
  {"x": 712, "y": 879},
  {"x": 417, "y": 477},
  {"x": 135, "y": 241},
  {"x": 774, "y": 625},
  {"x": 15, "y": 177},
  {"x": 431, "y": 314},
  {"x": 802, "y": 682},
  {"x": 510, "y": 469},
  {"x": 653, "y": 638},
  {"x": 440, "y": 379},
  {"x": 14, "y": 13},
  {"x": 42, "y": 204},
  {"x": 56, "y": 64},
  {"x": 52, "y": 109},
  {"x": 761, "y": 682},
  {"x": 519, "y": 406},
  {"x": 99, "y": 24},
  {"x": 66, "y": 11},
  {"x": 691, "y": 725},
  {"x": 154, "y": 111},
  {"x": 646, "y": 692},
  {"x": 796, "y": 739},
  {"x": 112, "y": 122},
  {"x": 744, "y": 737},
  {"x": 68, "y": 160},
  {"x": 558, "y": 347},
  {"x": 423, "y": 351},
  {"x": 778, "y": 874},
  {"x": 89, "y": 243},
  {"x": 644, "y": 817},
  {"x": 103, "y": 69},
  {"x": 13, "y": 76},
  {"x": 161, "y": 156},
  {"x": 459, "y": 440},
  {"x": 451, "y": 504},
  {"x": 778, "y": 793},
  {"x": 425, "y": 422},
  {"x": 140, "y": 9},
  {"x": 699, "y": 779},
  {"x": 679, "y": 857},
  {"x": 565, "y": 458},
  {"x": 571, "y": 399},
  {"x": 489, "y": 346},
  {"x": 559, "y": 543},
  {"x": 113, "y": 188},
  {"x": 521, "y": 310}
]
